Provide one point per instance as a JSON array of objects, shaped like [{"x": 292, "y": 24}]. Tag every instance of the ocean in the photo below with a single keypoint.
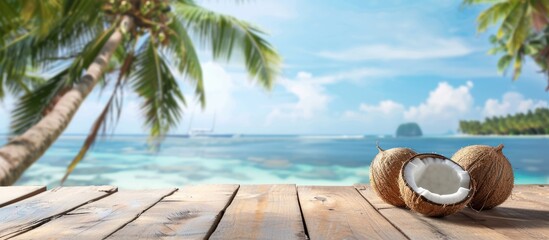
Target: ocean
[{"x": 128, "y": 161}]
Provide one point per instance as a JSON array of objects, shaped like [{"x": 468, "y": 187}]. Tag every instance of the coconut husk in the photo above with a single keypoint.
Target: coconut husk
[
  {"x": 384, "y": 171},
  {"x": 422, "y": 205},
  {"x": 492, "y": 172}
]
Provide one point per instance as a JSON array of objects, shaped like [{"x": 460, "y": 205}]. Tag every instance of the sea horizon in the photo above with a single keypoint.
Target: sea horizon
[
  {"x": 340, "y": 135},
  {"x": 128, "y": 161}
]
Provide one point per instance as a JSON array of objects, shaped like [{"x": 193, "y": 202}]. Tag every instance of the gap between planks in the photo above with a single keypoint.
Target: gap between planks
[
  {"x": 467, "y": 224},
  {"x": 12, "y": 194},
  {"x": 100, "y": 218},
  {"x": 192, "y": 212},
  {"x": 262, "y": 212},
  {"x": 35, "y": 211},
  {"x": 342, "y": 213}
]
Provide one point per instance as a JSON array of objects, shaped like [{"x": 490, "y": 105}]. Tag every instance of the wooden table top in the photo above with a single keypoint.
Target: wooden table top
[{"x": 254, "y": 212}]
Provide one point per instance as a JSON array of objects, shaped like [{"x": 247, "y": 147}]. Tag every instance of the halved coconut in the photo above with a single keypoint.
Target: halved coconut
[{"x": 434, "y": 185}]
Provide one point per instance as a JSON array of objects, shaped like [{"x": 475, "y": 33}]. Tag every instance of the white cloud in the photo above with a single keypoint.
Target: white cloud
[
  {"x": 379, "y": 118},
  {"x": 427, "y": 49},
  {"x": 311, "y": 98},
  {"x": 444, "y": 107},
  {"x": 224, "y": 92},
  {"x": 439, "y": 113},
  {"x": 311, "y": 93},
  {"x": 511, "y": 103},
  {"x": 386, "y": 107},
  {"x": 220, "y": 88}
]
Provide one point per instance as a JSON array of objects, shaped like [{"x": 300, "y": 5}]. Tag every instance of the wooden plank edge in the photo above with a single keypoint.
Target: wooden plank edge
[
  {"x": 221, "y": 214},
  {"x": 144, "y": 210},
  {"x": 106, "y": 189},
  {"x": 359, "y": 187},
  {"x": 305, "y": 229},
  {"x": 37, "y": 191}
]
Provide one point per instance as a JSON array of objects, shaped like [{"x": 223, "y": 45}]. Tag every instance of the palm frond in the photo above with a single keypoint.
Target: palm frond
[
  {"x": 504, "y": 63},
  {"x": 155, "y": 84},
  {"x": 181, "y": 49},
  {"x": 225, "y": 33},
  {"x": 42, "y": 14},
  {"x": 520, "y": 30},
  {"x": 108, "y": 116},
  {"x": 90, "y": 140},
  {"x": 493, "y": 15},
  {"x": 9, "y": 19},
  {"x": 89, "y": 53},
  {"x": 517, "y": 66},
  {"x": 76, "y": 24},
  {"x": 31, "y": 107},
  {"x": 8, "y": 13}
]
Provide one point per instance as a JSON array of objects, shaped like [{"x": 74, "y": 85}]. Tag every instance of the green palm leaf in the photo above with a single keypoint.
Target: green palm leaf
[
  {"x": 29, "y": 47},
  {"x": 504, "y": 63},
  {"x": 493, "y": 15},
  {"x": 31, "y": 107},
  {"x": 89, "y": 53},
  {"x": 155, "y": 84},
  {"x": 182, "y": 51},
  {"x": 225, "y": 34},
  {"x": 520, "y": 27}
]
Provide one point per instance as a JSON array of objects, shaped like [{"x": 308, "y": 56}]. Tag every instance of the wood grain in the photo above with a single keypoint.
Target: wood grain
[
  {"x": 537, "y": 193},
  {"x": 9, "y": 195},
  {"x": 262, "y": 212},
  {"x": 342, "y": 213},
  {"x": 518, "y": 217},
  {"x": 101, "y": 218},
  {"x": 416, "y": 226},
  {"x": 32, "y": 212},
  {"x": 190, "y": 213}
]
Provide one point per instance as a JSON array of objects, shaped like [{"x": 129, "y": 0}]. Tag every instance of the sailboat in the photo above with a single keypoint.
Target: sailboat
[
  {"x": 207, "y": 132},
  {"x": 200, "y": 132}
]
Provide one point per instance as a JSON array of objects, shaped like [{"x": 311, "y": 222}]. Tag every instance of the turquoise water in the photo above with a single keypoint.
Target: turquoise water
[{"x": 127, "y": 162}]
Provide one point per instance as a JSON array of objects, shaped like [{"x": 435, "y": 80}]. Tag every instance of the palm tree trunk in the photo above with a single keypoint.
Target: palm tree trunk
[{"x": 22, "y": 151}]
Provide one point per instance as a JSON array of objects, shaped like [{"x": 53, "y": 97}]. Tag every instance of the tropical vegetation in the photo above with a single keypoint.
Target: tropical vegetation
[
  {"x": 523, "y": 32},
  {"x": 114, "y": 46},
  {"x": 530, "y": 123}
]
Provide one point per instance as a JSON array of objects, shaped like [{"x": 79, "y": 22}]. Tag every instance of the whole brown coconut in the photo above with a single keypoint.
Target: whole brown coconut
[
  {"x": 384, "y": 171},
  {"x": 491, "y": 171}
]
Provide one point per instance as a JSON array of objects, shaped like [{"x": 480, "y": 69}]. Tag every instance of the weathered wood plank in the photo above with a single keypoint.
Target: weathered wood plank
[
  {"x": 101, "y": 218},
  {"x": 536, "y": 193},
  {"x": 517, "y": 218},
  {"x": 32, "y": 212},
  {"x": 262, "y": 212},
  {"x": 190, "y": 213},
  {"x": 416, "y": 226},
  {"x": 342, "y": 213},
  {"x": 9, "y": 195}
]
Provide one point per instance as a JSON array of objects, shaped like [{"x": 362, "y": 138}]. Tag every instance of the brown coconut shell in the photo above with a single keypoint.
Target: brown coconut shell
[
  {"x": 384, "y": 171},
  {"x": 492, "y": 172},
  {"x": 422, "y": 205}
]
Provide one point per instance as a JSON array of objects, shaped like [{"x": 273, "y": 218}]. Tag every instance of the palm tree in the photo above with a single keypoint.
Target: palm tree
[
  {"x": 141, "y": 45},
  {"x": 523, "y": 31}
]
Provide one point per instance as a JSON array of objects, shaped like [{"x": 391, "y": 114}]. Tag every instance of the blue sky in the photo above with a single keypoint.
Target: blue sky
[{"x": 351, "y": 67}]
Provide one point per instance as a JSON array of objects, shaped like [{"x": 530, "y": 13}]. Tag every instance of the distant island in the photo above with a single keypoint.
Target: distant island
[
  {"x": 409, "y": 130},
  {"x": 530, "y": 123}
]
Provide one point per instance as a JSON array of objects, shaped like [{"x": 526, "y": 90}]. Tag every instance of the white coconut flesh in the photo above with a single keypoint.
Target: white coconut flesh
[{"x": 439, "y": 180}]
